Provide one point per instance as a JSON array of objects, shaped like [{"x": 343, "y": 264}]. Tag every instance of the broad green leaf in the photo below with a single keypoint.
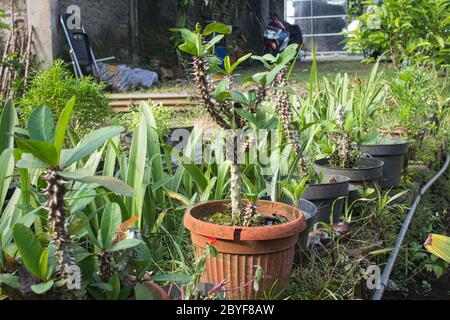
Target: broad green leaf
[
  {"x": 90, "y": 143},
  {"x": 111, "y": 220},
  {"x": 10, "y": 281},
  {"x": 211, "y": 43},
  {"x": 41, "y": 125},
  {"x": 30, "y": 249},
  {"x": 188, "y": 35},
  {"x": 28, "y": 161},
  {"x": 188, "y": 48},
  {"x": 63, "y": 122},
  {"x": 124, "y": 244},
  {"x": 42, "y": 150},
  {"x": 42, "y": 288},
  {"x": 247, "y": 116},
  {"x": 8, "y": 120},
  {"x": 239, "y": 97},
  {"x": 239, "y": 61},
  {"x": 217, "y": 27},
  {"x": 112, "y": 184}
]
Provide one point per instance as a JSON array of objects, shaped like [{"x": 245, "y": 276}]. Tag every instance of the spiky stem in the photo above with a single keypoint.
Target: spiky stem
[
  {"x": 203, "y": 86},
  {"x": 249, "y": 214},
  {"x": 283, "y": 105},
  {"x": 342, "y": 140},
  {"x": 105, "y": 263},
  {"x": 236, "y": 197},
  {"x": 55, "y": 193}
]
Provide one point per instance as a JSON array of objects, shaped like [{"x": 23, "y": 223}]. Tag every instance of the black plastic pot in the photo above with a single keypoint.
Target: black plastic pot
[
  {"x": 368, "y": 173},
  {"x": 393, "y": 155},
  {"x": 325, "y": 196},
  {"x": 309, "y": 209}
]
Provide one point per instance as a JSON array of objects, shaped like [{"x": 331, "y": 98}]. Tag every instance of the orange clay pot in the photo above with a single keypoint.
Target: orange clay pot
[{"x": 241, "y": 249}]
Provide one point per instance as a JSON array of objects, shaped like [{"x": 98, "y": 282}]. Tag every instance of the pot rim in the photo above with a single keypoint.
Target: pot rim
[
  {"x": 344, "y": 179},
  {"x": 379, "y": 165},
  {"x": 158, "y": 288},
  {"x": 239, "y": 233},
  {"x": 401, "y": 141}
]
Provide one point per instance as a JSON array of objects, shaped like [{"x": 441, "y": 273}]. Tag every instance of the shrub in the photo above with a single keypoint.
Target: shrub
[
  {"x": 411, "y": 31},
  {"x": 54, "y": 86}
]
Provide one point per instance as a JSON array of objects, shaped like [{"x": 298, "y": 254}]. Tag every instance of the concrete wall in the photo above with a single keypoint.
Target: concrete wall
[{"x": 107, "y": 23}]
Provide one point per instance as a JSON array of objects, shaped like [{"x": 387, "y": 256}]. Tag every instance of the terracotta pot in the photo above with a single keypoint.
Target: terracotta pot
[
  {"x": 241, "y": 249},
  {"x": 158, "y": 292}
]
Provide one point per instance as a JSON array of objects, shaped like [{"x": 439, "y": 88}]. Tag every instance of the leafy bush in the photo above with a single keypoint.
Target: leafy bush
[
  {"x": 55, "y": 86},
  {"x": 412, "y": 30}
]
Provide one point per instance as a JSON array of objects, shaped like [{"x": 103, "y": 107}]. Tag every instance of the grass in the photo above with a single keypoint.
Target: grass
[{"x": 299, "y": 77}]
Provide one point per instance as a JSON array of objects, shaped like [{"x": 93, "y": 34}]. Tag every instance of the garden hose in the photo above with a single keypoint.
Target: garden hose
[{"x": 378, "y": 294}]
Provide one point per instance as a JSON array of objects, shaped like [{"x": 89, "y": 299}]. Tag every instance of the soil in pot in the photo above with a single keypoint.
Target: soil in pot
[
  {"x": 393, "y": 153},
  {"x": 240, "y": 249}
]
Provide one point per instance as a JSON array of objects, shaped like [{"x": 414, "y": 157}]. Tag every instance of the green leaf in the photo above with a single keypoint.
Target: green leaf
[
  {"x": 43, "y": 263},
  {"x": 6, "y": 173},
  {"x": 247, "y": 116},
  {"x": 41, "y": 125},
  {"x": 28, "y": 161},
  {"x": 111, "y": 220},
  {"x": 197, "y": 175},
  {"x": 239, "y": 61},
  {"x": 217, "y": 27},
  {"x": 188, "y": 36},
  {"x": 7, "y": 122},
  {"x": 115, "y": 288},
  {"x": 30, "y": 249},
  {"x": 124, "y": 244},
  {"x": 112, "y": 184},
  {"x": 42, "y": 288},
  {"x": 227, "y": 65},
  {"x": 136, "y": 168},
  {"x": 42, "y": 150},
  {"x": 189, "y": 48},
  {"x": 211, "y": 43},
  {"x": 10, "y": 281},
  {"x": 239, "y": 97},
  {"x": 92, "y": 142},
  {"x": 143, "y": 292},
  {"x": 63, "y": 122}
]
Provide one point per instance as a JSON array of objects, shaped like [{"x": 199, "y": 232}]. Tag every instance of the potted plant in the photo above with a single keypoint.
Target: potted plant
[
  {"x": 326, "y": 193},
  {"x": 345, "y": 158},
  {"x": 245, "y": 234}
]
